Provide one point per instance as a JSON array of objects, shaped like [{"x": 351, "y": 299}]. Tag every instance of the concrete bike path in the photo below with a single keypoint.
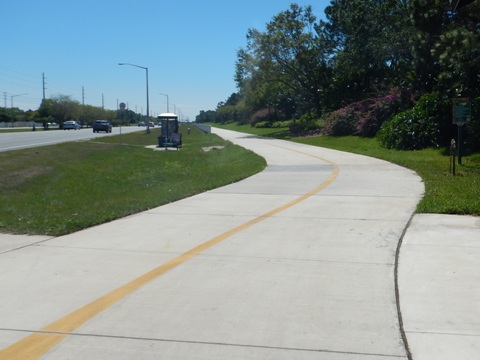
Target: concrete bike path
[
  {"x": 439, "y": 277},
  {"x": 296, "y": 262}
]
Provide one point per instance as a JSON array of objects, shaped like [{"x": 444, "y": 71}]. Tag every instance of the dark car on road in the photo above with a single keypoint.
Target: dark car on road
[{"x": 102, "y": 125}]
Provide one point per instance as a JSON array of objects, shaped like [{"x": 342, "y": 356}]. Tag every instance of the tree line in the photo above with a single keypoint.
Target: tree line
[
  {"x": 61, "y": 108},
  {"x": 369, "y": 63}
]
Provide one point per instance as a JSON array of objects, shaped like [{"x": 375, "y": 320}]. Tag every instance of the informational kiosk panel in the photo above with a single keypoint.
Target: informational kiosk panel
[
  {"x": 170, "y": 136},
  {"x": 169, "y": 124}
]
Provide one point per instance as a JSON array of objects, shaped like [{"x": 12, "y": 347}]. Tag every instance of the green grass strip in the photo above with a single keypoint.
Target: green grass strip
[{"x": 59, "y": 189}]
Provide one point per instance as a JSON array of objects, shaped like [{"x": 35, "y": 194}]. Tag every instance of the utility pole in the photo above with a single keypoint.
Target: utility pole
[
  {"x": 83, "y": 96},
  {"x": 43, "y": 85},
  {"x": 103, "y": 102}
]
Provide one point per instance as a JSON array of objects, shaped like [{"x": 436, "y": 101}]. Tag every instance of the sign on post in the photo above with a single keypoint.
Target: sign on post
[
  {"x": 461, "y": 116},
  {"x": 461, "y": 111}
]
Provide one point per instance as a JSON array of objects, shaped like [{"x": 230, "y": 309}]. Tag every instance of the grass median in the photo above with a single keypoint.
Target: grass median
[
  {"x": 444, "y": 193},
  {"x": 59, "y": 189}
]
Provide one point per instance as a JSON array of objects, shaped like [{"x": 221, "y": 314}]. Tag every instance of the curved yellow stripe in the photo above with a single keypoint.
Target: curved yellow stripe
[{"x": 39, "y": 343}]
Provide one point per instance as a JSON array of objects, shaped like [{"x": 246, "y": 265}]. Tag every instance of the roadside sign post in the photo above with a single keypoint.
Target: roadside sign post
[
  {"x": 461, "y": 116},
  {"x": 452, "y": 156}
]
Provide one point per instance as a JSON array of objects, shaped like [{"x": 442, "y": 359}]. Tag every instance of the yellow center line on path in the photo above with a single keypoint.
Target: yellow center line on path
[{"x": 38, "y": 343}]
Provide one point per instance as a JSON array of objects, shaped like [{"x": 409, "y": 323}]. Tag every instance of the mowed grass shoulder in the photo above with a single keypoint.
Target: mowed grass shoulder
[
  {"x": 55, "y": 190},
  {"x": 444, "y": 193}
]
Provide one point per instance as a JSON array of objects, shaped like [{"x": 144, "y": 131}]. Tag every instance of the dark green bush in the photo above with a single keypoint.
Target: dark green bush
[
  {"x": 427, "y": 124},
  {"x": 262, "y": 124},
  {"x": 472, "y": 130},
  {"x": 307, "y": 123}
]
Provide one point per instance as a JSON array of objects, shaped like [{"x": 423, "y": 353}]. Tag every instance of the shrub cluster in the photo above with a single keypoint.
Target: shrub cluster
[
  {"x": 273, "y": 125},
  {"x": 427, "y": 124},
  {"x": 306, "y": 125},
  {"x": 266, "y": 117},
  {"x": 472, "y": 130},
  {"x": 364, "y": 118}
]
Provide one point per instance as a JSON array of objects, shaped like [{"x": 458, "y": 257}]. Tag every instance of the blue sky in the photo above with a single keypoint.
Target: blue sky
[{"x": 189, "y": 47}]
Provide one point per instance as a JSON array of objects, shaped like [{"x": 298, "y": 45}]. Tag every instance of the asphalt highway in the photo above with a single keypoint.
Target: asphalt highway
[{"x": 19, "y": 140}]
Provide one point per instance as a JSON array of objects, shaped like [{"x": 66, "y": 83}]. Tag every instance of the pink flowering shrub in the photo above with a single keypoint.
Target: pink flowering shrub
[{"x": 364, "y": 118}]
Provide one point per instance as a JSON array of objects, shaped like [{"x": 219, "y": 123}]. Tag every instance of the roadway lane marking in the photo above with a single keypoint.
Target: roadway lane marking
[{"x": 40, "y": 342}]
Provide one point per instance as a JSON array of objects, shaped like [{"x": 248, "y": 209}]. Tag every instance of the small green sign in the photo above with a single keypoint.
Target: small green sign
[{"x": 461, "y": 111}]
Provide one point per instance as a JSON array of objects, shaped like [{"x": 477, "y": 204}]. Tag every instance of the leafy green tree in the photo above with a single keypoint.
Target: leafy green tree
[
  {"x": 206, "y": 116},
  {"x": 431, "y": 18},
  {"x": 363, "y": 50},
  {"x": 63, "y": 107},
  {"x": 4, "y": 116},
  {"x": 370, "y": 46},
  {"x": 447, "y": 47},
  {"x": 60, "y": 108},
  {"x": 46, "y": 108},
  {"x": 287, "y": 58},
  {"x": 458, "y": 51},
  {"x": 256, "y": 87}
]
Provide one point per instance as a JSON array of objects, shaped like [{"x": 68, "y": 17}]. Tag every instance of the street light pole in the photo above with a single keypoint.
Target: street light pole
[
  {"x": 11, "y": 104},
  {"x": 11, "y": 99},
  {"x": 148, "y": 106},
  {"x": 168, "y": 108}
]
